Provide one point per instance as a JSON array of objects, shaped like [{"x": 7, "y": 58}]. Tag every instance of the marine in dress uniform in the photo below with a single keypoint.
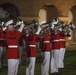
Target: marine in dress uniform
[
  {"x": 55, "y": 49},
  {"x": 63, "y": 35},
  {"x": 12, "y": 37},
  {"x": 31, "y": 51},
  {"x": 46, "y": 48},
  {"x": 2, "y": 45}
]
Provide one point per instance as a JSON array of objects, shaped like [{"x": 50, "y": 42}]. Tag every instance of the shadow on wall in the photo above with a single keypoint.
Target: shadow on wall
[{"x": 7, "y": 9}]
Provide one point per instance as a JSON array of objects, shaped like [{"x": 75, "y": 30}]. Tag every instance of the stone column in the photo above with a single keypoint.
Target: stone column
[{"x": 74, "y": 32}]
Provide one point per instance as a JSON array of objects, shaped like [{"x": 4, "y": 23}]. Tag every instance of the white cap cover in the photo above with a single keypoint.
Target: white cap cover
[
  {"x": 9, "y": 23},
  {"x": 54, "y": 22},
  {"x": 42, "y": 22}
]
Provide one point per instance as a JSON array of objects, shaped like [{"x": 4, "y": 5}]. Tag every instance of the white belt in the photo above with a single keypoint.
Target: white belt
[
  {"x": 46, "y": 41},
  {"x": 12, "y": 46},
  {"x": 55, "y": 40},
  {"x": 32, "y": 45},
  {"x": 2, "y": 39},
  {"x": 62, "y": 39}
]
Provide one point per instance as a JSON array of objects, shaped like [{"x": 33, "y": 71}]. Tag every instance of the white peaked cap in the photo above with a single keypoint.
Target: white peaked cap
[
  {"x": 55, "y": 22},
  {"x": 9, "y": 22},
  {"x": 42, "y": 22}
]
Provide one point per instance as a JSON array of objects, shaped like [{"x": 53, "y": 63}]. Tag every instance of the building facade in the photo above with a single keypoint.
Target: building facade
[{"x": 40, "y": 10}]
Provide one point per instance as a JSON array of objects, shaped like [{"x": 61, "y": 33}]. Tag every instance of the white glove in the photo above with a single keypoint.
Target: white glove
[
  {"x": 2, "y": 23},
  {"x": 19, "y": 23},
  {"x": 39, "y": 29},
  {"x": 4, "y": 28}
]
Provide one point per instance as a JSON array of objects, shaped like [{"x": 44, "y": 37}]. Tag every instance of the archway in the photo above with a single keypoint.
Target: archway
[
  {"x": 50, "y": 11},
  {"x": 73, "y": 10},
  {"x": 9, "y": 10},
  {"x": 42, "y": 15}
]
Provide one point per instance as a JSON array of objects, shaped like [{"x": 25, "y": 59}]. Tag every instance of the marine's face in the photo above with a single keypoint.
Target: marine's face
[
  {"x": 11, "y": 28},
  {"x": 30, "y": 30},
  {"x": 45, "y": 32},
  {"x": 26, "y": 31}
]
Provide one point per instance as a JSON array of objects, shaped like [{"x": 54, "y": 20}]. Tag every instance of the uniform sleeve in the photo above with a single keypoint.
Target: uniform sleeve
[
  {"x": 36, "y": 36},
  {"x": 1, "y": 30},
  {"x": 24, "y": 37},
  {"x": 63, "y": 34},
  {"x": 39, "y": 39},
  {"x": 18, "y": 34},
  {"x": 21, "y": 41},
  {"x": 2, "y": 34},
  {"x": 67, "y": 35}
]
